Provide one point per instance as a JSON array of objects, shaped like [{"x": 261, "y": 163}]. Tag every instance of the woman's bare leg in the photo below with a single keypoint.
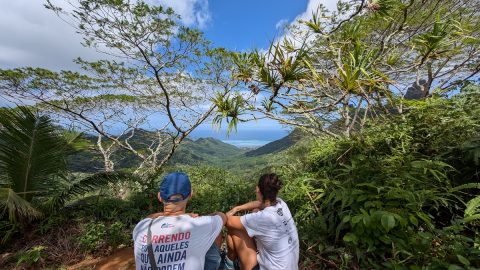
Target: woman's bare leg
[
  {"x": 231, "y": 252},
  {"x": 243, "y": 247}
]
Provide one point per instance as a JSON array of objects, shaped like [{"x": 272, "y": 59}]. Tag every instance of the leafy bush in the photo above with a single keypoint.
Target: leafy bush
[
  {"x": 50, "y": 223},
  {"x": 32, "y": 257},
  {"x": 106, "y": 209},
  {"x": 216, "y": 189},
  {"x": 392, "y": 196},
  {"x": 117, "y": 235},
  {"x": 93, "y": 236}
]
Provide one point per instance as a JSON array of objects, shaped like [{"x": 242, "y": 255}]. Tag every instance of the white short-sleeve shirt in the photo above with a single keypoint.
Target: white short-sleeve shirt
[
  {"x": 276, "y": 237},
  {"x": 179, "y": 242}
]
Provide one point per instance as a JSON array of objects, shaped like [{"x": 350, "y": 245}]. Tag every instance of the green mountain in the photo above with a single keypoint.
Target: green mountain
[
  {"x": 208, "y": 151},
  {"x": 204, "y": 150},
  {"x": 278, "y": 145}
]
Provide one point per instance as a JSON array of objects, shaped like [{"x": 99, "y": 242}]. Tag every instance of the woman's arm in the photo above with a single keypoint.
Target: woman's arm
[
  {"x": 245, "y": 207},
  {"x": 233, "y": 222}
]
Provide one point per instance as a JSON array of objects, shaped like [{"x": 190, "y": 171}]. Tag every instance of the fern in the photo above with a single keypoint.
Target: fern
[
  {"x": 472, "y": 211},
  {"x": 466, "y": 186}
]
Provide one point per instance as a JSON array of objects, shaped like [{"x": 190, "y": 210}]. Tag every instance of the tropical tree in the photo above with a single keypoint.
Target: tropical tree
[
  {"x": 332, "y": 73},
  {"x": 156, "y": 70}
]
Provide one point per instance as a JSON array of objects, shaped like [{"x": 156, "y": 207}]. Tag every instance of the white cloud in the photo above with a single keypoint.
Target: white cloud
[
  {"x": 281, "y": 24},
  {"x": 312, "y": 8},
  {"x": 34, "y": 36},
  {"x": 192, "y": 12}
]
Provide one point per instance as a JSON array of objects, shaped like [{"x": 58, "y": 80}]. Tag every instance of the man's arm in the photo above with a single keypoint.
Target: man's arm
[{"x": 245, "y": 207}]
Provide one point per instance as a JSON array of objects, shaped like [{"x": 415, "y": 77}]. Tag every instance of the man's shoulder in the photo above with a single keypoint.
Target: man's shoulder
[
  {"x": 141, "y": 226},
  {"x": 143, "y": 222},
  {"x": 207, "y": 219}
]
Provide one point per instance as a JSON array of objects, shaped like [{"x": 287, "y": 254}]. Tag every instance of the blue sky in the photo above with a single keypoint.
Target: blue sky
[{"x": 248, "y": 24}]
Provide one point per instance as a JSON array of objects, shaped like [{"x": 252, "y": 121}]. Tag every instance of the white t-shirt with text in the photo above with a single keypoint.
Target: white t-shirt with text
[
  {"x": 179, "y": 242},
  {"x": 276, "y": 237}
]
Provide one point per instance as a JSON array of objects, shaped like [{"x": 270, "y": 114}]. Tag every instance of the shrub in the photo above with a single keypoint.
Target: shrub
[
  {"x": 117, "y": 235},
  {"x": 106, "y": 209},
  {"x": 389, "y": 197},
  {"x": 93, "y": 236},
  {"x": 50, "y": 223},
  {"x": 32, "y": 257},
  {"x": 216, "y": 189}
]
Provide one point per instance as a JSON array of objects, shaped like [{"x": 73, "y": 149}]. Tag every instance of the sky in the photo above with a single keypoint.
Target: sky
[{"x": 33, "y": 36}]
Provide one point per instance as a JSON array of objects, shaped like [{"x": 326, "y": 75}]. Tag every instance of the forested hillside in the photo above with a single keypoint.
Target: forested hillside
[
  {"x": 192, "y": 152},
  {"x": 381, "y": 169}
]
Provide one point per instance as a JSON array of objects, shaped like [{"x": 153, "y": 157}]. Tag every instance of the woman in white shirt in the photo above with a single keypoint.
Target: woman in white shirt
[{"x": 266, "y": 239}]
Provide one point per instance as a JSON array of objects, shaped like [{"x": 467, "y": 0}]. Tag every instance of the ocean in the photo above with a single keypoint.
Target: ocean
[{"x": 245, "y": 138}]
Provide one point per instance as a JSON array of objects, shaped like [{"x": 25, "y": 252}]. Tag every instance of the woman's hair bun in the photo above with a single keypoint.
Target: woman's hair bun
[
  {"x": 269, "y": 185},
  {"x": 276, "y": 183}
]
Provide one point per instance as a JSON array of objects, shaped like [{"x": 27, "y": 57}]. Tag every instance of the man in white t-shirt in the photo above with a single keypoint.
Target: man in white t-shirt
[{"x": 174, "y": 240}]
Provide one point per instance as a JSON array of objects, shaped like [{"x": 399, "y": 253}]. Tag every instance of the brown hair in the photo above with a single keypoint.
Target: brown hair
[{"x": 269, "y": 185}]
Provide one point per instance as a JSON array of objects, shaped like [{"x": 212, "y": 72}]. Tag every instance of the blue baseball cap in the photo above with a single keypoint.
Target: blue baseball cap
[{"x": 175, "y": 183}]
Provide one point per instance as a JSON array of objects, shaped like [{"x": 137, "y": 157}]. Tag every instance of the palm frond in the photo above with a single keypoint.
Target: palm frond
[
  {"x": 31, "y": 151},
  {"x": 17, "y": 208},
  {"x": 74, "y": 142},
  {"x": 230, "y": 109},
  {"x": 85, "y": 185}
]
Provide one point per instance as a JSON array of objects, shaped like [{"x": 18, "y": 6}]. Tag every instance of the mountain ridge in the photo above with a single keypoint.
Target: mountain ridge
[
  {"x": 278, "y": 145},
  {"x": 207, "y": 150}
]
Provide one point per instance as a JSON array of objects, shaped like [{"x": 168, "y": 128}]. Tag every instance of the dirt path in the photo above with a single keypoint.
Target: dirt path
[{"x": 122, "y": 259}]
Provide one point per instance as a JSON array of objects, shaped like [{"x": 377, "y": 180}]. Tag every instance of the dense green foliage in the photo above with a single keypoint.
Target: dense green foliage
[
  {"x": 392, "y": 196},
  {"x": 400, "y": 194}
]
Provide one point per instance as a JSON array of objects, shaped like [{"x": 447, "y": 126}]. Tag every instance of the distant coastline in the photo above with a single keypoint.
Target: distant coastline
[
  {"x": 247, "y": 143},
  {"x": 243, "y": 138}
]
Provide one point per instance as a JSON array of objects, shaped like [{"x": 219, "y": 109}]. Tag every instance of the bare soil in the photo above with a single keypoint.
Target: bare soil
[{"x": 121, "y": 259}]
